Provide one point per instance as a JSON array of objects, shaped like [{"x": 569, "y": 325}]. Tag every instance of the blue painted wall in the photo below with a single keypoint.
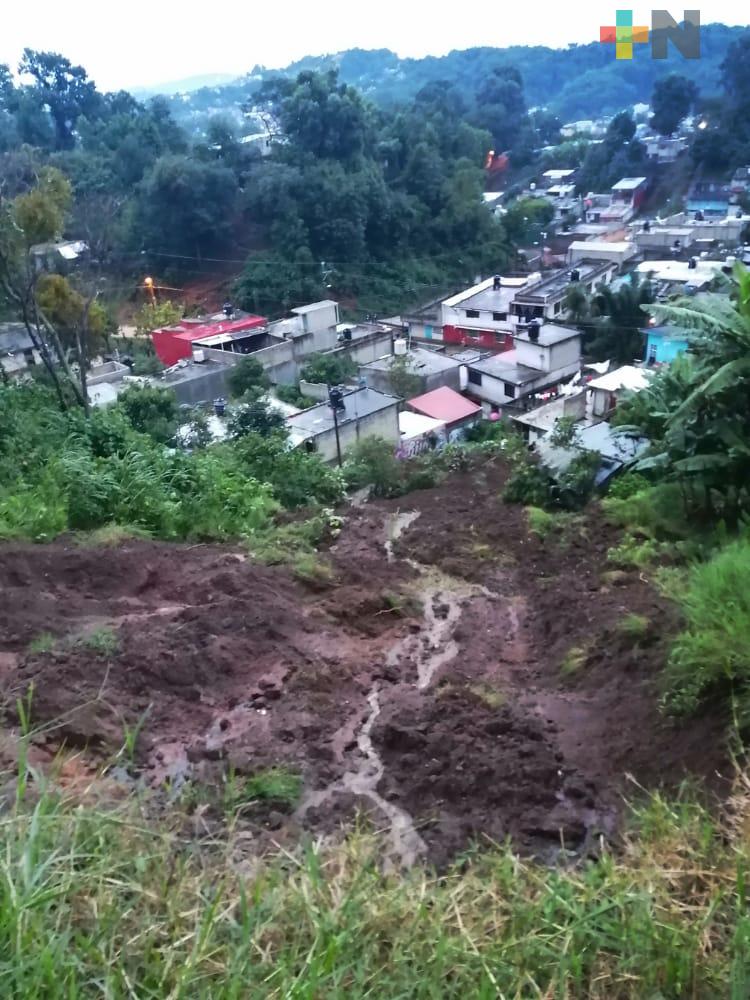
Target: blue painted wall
[{"x": 664, "y": 349}]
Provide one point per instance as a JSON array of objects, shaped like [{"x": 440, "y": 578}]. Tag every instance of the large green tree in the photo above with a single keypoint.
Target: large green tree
[{"x": 671, "y": 102}]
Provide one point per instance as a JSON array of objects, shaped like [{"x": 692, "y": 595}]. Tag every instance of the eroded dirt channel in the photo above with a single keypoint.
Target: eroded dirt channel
[{"x": 422, "y": 686}]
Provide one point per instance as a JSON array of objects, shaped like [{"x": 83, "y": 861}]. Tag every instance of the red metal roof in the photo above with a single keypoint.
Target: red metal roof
[
  {"x": 444, "y": 404},
  {"x": 174, "y": 342},
  {"x": 197, "y": 331}
]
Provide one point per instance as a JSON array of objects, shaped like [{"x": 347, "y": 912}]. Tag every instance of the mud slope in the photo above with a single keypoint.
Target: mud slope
[{"x": 424, "y": 686}]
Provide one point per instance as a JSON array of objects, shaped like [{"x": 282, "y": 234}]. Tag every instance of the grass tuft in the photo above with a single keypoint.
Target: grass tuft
[
  {"x": 102, "y": 641},
  {"x": 277, "y": 785},
  {"x": 574, "y": 661},
  {"x": 634, "y": 627},
  {"x": 42, "y": 643}
]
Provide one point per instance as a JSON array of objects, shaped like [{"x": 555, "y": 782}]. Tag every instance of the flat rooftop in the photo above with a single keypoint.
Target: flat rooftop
[
  {"x": 313, "y": 307},
  {"x": 626, "y": 377},
  {"x": 358, "y": 403},
  {"x": 616, "y": 246},
  {"x": 506, "y": 367},
  {"x": 628, "y": 183},
  {"x": 680, "y": 271},
  {"x": 556, "y": 284},
  {"x": 421, "y": 362},
  {"x": 485, "y": 296},
  {"x": 549, "y": 334}
]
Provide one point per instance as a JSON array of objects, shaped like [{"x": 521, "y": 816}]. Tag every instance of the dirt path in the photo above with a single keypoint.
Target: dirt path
[{"x": 423, "y": 686}]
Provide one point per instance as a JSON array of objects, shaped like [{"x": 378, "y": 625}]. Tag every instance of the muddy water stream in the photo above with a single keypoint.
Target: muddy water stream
[{"x": 430, "y": 649}]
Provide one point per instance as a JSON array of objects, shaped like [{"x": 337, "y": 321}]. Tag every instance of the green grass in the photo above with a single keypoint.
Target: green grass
[
  {"x": 634, "y": 627},
  {"x": 110, "y": 535},
  {"x": 541, "y": 522},
  {"x": 574, "y": 661},
  {"x": 42, "y": 643},
  {"x": 102, "y": 641},
  {"x": 277, "y": 785},
  {"x": 711, "y": 656},
  {"x": 312, "y": 568},
  {"x": 489, "y": 696},
  {"x": 102, "y": 903}
]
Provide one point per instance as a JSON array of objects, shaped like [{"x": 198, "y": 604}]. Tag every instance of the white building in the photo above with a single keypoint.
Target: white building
[
  {"x": 542, "y": 356},
  {"x": 616, "y": 251}
]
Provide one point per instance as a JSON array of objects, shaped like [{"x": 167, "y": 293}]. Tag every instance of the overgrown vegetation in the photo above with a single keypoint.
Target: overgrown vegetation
[
  {"x": 665, "y": 917},
  {"x": 60, "y": 472},
  {"x": 711, "y": 655}
]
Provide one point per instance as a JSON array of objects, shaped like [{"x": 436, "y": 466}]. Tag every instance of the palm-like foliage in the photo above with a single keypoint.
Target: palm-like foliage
[
  {"x": 616, "y": 332},
  {"x": 705, "y": 441}
]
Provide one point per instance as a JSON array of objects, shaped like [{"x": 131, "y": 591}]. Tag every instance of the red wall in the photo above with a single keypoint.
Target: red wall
[
  {"x": 170, "y": 347},
  {"x": 477, "y": 338}
]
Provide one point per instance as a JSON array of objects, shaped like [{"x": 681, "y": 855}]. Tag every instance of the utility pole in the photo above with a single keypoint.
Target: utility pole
[{"x": 336, "y": 402}]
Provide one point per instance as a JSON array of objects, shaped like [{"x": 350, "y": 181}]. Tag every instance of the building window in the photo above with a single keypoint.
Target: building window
[
  {"x": 558, "y": 306},
  {"x": 475, "y": 377},
  {"x": 310, "y": 446},
  {"x": 499, "y": 317},
  {"x": 509, "y": 389},
  {"x": 500, "y": 336},
  {"x": 472, "y": 314}
]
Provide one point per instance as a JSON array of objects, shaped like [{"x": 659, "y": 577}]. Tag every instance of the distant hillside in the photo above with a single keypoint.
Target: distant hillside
[
  {"x": 184, "y": 86},
  {"x": 582, "y": 81}
]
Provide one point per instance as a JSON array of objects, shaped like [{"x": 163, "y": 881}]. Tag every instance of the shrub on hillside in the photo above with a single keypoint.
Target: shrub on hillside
[
  {"x": 150, "y": 410},
  {"x": 711, "y": 656},
  {"x": 296, "y": 477},
  {"x": 248, "y": 376}
]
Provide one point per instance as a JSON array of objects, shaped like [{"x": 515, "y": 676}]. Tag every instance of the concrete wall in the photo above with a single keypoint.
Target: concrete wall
[
  {"x": 284, "y": 360},
  {"x": 492, "y": 389},
  {"x": 566, "y": 353},
  {"x": 203, "y": 389},
  {"x": 664, "y": 349},
  {"x": 383, "y": 424}
]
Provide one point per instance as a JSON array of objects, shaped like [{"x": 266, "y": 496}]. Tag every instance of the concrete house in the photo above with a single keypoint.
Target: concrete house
[
  {"x": 432, "y": 368},
  {"x": 480, "y": 316},
  {"x": 665, "y": 343},
  {"x": 543, "y": 300},
  {"x": 616, "y": 251},
  {"x": 17, "y": 351},
  {"x": 366, "y": 413},
  {"x": 606, "y": 390},
  {"x": 543, "y": 356},
  {"x": 453, "y": 410}
]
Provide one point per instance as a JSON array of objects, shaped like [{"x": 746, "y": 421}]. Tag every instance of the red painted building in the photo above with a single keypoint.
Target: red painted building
[
  {"x": 174, "y": 342},
  {"x": 491, "y": 340}
]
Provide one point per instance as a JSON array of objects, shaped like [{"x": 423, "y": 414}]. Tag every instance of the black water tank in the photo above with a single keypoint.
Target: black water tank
[
  {"x": 575, "y": 274},
  {"x": 336, "y": 398},
  {"x": 534, "y": 332},
  {"x": 496, "y": 283}
]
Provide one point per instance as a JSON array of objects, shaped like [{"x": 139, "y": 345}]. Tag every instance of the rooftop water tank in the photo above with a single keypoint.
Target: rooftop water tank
[{"x": 399, "y": 347}]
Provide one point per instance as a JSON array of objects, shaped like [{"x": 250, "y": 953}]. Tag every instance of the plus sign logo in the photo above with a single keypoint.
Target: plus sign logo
[{"x": 624, "y": 34}]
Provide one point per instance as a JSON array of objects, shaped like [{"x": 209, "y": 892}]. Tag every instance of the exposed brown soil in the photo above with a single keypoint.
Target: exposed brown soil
[{"x": 423, "y": 686}]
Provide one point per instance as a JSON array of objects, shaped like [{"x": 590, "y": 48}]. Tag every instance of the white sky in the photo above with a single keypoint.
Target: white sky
[{"x": 135, "y": 43}]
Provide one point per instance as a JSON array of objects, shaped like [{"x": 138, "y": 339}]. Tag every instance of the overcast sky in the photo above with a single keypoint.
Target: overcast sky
[{"x": 131, "y": 43}]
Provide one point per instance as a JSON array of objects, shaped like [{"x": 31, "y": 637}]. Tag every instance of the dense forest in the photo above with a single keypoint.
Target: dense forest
[
  {"x": 579, "y": 82},
  {"x": 378, "y": 204}
]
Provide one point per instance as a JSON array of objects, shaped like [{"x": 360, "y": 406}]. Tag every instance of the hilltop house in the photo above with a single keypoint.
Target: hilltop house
[
  {"x": 665, "y": 343},
  {"x": 431, "y": 368},
  {"x": 606, "y": 390},
  {"x": 543, "y": 299},
  {"x": 364, "y": 413},
  {"x": 17, "y": 351},
  {"x": 543, "y": 356},
  {"x": 480, "y": 315}
]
